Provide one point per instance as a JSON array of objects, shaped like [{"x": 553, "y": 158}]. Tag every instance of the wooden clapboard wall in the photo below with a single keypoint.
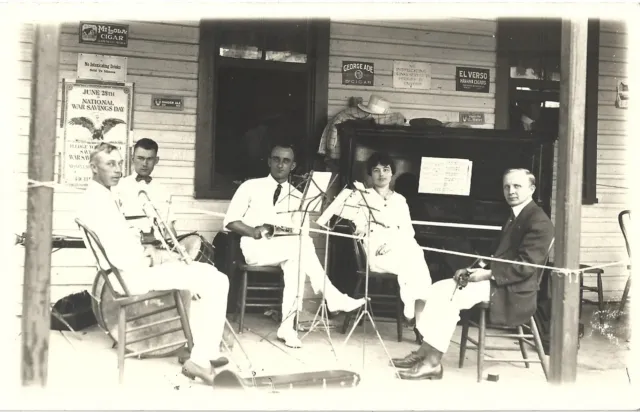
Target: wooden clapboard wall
[
  {"x": 162, "y": 58},
  {"x": 601, "y": 240},
  {"x": 444, "y": 44}
]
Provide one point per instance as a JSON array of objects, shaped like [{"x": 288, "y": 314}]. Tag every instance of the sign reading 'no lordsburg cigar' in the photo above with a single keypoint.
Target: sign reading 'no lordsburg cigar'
[
  {"x": 106, "y": 34},
  {"x": 470, "y": 79},
  {"x": 357, "y": 73}
]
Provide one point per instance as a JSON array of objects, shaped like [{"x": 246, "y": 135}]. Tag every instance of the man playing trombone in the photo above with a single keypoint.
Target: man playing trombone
[
  {"x": 150, "y": 269},
  {"x": 144, "y": 160},
  {"x": 259, "y": 203}
]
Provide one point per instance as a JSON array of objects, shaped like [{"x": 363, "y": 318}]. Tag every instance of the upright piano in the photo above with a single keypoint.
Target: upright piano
[{"x": 491, "y": 153}]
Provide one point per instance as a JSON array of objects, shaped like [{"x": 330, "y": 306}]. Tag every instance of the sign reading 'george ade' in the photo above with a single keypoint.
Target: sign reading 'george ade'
[
  {"x": 105, "y": 34},
  {"x": 470, "y": 79},
  {"x": 357, "y": 73}
]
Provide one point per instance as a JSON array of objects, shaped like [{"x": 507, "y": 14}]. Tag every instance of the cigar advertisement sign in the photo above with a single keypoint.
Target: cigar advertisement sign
[
  {"x": 472, "y": 79},
  {"x": 104, "y": 34},
  {"x": 92, "y": 114},
  {"x": 357, "y": 73}
]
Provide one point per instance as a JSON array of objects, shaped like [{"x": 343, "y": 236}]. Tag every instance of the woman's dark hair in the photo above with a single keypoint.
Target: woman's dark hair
[{"x": 382, "y": 159}]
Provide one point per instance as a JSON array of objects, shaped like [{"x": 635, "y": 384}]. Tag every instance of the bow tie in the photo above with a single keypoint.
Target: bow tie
[{"x": 146, "y": 179}]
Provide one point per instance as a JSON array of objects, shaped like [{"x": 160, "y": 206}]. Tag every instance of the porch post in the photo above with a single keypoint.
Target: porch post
[
  {"x": 566, "y": 290},
  {"x": 37, "y": 265}
]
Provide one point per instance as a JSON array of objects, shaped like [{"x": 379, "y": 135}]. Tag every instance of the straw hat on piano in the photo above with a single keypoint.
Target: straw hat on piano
[{"x": 376, "y": 105}]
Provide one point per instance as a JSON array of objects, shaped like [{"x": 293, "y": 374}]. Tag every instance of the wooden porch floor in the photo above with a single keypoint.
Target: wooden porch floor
[{"x": 85, "y": 365}]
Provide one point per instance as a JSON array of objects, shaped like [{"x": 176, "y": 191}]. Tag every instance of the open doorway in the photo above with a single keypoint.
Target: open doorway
[{"x": 256, "y": 107}]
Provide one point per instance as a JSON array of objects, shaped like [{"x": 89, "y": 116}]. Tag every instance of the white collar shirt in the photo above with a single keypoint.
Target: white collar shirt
[
  {"x": 128, "y": 189},
  {"x": 518, "y": 209},
  {"x": 252, "y": 204},
  {"x": 99, "y": 210}
]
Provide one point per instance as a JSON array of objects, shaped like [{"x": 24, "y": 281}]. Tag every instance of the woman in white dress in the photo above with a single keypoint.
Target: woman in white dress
[{"x": 391, "y": 239}]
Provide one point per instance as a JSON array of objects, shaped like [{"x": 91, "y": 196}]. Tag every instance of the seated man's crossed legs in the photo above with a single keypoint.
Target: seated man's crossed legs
[
  {"x": 297, "y": 263},
  {"x": 438, "y": 324},
  {"x": 209, "y": 289}
]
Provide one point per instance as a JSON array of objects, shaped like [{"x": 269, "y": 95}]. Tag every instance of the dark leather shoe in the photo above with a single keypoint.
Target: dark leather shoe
[
  {"x": 216, "y": 363},
  {"x": 423, "y": 371},
  {"x": 192, "y": 371},
  {"x": 408, "y": 361}
]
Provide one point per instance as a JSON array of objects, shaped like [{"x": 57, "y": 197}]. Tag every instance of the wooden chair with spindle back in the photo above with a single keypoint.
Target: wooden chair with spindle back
[
  {"x": 522, "y": 338},
  {"x": 238, "y": 264},
  {"x": 124, "y": 301}
]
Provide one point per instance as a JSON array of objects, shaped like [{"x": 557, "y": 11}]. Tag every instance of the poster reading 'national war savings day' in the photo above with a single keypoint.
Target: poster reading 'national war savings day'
[{"x": 93, "y": 113}]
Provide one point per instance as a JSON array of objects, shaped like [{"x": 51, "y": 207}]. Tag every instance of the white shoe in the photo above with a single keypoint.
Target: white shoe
[
  {"x": 289, "y": 337},
  {"x": 410, "y": 310},
  {"x": 345, "y": 304}
]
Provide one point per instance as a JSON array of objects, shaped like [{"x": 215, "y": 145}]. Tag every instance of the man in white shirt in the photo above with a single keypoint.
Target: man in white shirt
[
  {"x": 144, "y": 160},
  {"x": 148, "y": 269},
  {"x": 268, "y": 201}
]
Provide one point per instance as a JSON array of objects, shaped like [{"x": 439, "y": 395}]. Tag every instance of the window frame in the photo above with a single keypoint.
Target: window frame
[
  {"x": 317, "y": 66},
  {"x": 590, "y": 159}
]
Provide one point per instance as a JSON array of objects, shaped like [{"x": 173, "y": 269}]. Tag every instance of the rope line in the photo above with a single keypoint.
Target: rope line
[{"x": 565, "y": 271}]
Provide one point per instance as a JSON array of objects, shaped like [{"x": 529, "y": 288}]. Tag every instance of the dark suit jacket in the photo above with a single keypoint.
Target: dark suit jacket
[{"x": 515, "y": 288}]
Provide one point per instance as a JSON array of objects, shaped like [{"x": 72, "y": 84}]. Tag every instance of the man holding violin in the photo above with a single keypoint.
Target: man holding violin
[
  {"x": 257, "y": 207},
  {"x": 149, "y": 269}
]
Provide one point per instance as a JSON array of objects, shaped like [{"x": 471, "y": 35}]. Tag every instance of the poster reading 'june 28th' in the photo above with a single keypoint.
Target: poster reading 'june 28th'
[{"x": 93, "y": 114}]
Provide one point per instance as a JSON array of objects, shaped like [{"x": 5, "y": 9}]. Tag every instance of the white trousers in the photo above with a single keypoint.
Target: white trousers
[
  {"x": 207, "y": 314},
  {"x": 406, "y": 260},
  {"x": 441, "y": 314},
  {"x": 296, "y": 263}
]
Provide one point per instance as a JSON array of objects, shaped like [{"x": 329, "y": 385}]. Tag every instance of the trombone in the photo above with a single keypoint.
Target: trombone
[{"x": 152, "y": 212}]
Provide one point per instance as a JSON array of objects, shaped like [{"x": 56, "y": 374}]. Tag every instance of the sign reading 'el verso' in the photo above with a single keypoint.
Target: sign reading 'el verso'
[
  {"x": 93, "y": 113},
  {"x": 105, "y": 34},
  {"x": 470, "y": 79},
  {"x": 357, "y": 73}
]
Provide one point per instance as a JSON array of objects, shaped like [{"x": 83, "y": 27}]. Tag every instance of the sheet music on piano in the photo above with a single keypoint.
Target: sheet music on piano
[{"x": 445, "y": 176}]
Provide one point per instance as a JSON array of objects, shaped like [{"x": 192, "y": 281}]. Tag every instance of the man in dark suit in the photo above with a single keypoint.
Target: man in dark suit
[{"x": 510, "y": 288}]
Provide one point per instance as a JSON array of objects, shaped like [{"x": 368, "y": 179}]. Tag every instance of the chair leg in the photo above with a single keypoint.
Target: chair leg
[
  {"x": 349, "y": 316},
  {"x": 463, "y": 338},
  {"x": 184, "y": 318},
  {"x": 243, "y": 300},
  {"x": 625, "y": 296},
  {"x": 122, "y": 341},
  {"x": 600, "y": 298},
  {"x": 482, "y": 330},
  {"x": 539, "y": 348},
  {"x": 523, "y": 347},
  {"x": 399, "y": 313}
]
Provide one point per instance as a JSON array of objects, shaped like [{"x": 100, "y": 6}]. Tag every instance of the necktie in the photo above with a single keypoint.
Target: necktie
[
  {"x": 512, "y": 217},
  {"x": 145, "y": 178},
  {"x": 276, "y": 194}
]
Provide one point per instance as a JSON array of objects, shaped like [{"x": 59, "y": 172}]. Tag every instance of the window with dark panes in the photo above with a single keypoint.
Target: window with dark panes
[
  {"x": 264, "y": 80},
  {"x": 530, "y": 50}
]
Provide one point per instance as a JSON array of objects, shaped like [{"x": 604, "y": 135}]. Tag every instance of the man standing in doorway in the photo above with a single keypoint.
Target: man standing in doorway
[{"x": 257, "y": 206}]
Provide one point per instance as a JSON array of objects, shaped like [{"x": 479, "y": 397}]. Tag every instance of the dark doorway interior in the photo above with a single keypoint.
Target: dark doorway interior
[{"x": 255, "y": 108}]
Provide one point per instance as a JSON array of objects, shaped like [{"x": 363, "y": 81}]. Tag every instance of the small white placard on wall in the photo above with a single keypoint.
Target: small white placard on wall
[
  {"x": 102, "y": 67},
  {"x": 411, "y": 75},
  {"x": 444, "y": 176}
]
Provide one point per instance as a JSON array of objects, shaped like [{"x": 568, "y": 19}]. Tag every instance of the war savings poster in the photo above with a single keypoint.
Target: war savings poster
[{"x": 93, "y": 113}]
